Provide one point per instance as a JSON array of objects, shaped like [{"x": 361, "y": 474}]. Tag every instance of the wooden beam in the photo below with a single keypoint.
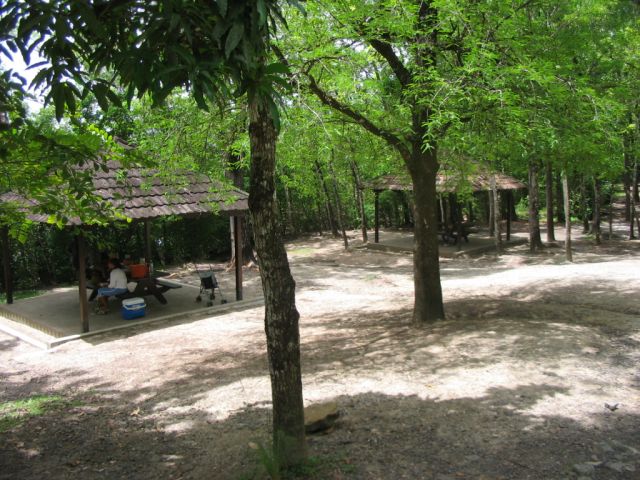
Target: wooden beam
[
  {"x": 82, "y": 282},
  {"x": 377, "y": 216},
  {"x": 237, "y": 240},
  {"x": 6, "y": 263}
]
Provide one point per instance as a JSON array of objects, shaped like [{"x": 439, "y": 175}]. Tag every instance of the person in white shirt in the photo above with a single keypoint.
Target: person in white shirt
[{"x": 117, "y": 285}]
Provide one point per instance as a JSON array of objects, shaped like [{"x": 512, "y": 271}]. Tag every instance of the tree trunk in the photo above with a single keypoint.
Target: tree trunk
[
  {"x": 626, "y": 179},
  {"x": 632, "y": 205},
  {"x": 611, "y": 216},
  {"x": 535, "y": 242},
  {"x": 289, "y": 230},
  {"x": 559, "y": 196},
  {"x": 423, "y": 167},
  {"x": 6, "y": 264},
  {"x": 492, "y": 214},
  {"x": 596, "y": 211},
  {"x": 586, "y": 224},
  {"x": 359, "y": 199},
  {"x": 495, "y": 194},
  {"x": 551, "y": 236},
  {"x": 567, "y": 223},
  {"x": 327, "y": 197},
  {"x": 339, "y": 216},
  {"x": 281, "y": 315}
]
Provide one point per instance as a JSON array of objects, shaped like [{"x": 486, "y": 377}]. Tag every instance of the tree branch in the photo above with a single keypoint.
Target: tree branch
[
  {"x": 332, "y": 102},
  {"x": 386, "y": 51}
]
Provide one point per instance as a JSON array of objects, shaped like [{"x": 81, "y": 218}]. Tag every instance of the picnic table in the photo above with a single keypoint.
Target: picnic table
[
  {"x": 155, "y": 285},
  {"x": 450, "y": 235}
]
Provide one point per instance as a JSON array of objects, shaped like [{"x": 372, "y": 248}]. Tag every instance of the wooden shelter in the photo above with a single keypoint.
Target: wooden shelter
[
  {"x": 445, "y": 183},
  {"x": 142, "y": 195}
]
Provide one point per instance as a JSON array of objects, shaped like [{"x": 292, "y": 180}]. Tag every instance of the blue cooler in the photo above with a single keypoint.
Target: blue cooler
[{"x": 133, "y": 308}]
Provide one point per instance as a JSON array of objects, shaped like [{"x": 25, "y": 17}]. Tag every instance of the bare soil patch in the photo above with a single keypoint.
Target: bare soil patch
[{"x": 512, "y": 385}]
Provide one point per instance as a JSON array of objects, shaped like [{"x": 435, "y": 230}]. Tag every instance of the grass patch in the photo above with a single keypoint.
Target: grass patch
[
  {"x": 21, "y": 295},
  {"x": 302, "y": 251},
  {"x": 16, "y": 412}
]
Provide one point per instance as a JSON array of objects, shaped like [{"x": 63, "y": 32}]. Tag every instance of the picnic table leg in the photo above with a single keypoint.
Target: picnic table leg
[{"x": 151, "y": 287}]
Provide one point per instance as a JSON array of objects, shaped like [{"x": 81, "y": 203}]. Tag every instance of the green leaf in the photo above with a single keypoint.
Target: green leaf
[
  {"x": 233, "y": 38},
  {"x": 277, "y": 67},
  {"x": 222, "y": 7},
  {"x": 262, "y": 12}
]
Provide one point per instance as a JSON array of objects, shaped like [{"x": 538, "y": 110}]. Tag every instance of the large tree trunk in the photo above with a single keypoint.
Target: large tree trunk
[
  {"x": 567, "y": 224},
  {"x": 423, "y": 167},
  {"x": 551, "y": 236},
  {"x": 281, "y": 315},
  {"x": 535, "y": 242}
]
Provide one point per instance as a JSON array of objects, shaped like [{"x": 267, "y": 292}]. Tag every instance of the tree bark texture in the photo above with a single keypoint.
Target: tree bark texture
[
  {"x": 567, "y": 222},
  {"x": 535, "y": 242},
  {"x": 423, "y": 168},
  {"x": 281, "y": 315},
  {"x": 551, "y": 236}
]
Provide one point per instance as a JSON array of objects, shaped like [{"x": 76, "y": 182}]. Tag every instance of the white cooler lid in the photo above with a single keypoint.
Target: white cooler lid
[{"x": 133, "y": 302}]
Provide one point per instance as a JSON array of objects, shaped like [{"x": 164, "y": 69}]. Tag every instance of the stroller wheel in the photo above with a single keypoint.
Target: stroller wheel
[{"x": 198, "y": 298}]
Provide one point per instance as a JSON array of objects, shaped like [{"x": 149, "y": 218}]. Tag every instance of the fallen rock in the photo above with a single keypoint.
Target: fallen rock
[
  {"x": 320, "y": 417},
  {"x": 585, "y": 469}
]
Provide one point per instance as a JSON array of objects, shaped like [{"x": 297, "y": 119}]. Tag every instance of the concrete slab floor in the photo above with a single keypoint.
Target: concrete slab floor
[{"x": 56, "y": 314}]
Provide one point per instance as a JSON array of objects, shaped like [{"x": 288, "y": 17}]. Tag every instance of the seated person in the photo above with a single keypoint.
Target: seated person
[{"x": 117, "y": 285}]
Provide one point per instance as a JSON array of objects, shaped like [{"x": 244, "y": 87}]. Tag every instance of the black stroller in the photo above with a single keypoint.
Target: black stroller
[{"x": 208, "y": 285}]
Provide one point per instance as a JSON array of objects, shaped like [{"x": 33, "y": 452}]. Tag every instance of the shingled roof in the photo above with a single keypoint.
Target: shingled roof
[
  {"x": 144, "y": 194},
  {"x": 447, "y": 183}
]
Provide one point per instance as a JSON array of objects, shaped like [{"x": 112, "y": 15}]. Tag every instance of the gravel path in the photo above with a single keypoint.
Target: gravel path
[{"x": 512, "y": 385}]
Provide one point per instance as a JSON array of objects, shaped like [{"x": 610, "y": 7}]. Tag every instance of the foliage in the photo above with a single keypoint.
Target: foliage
[{"x": 14, "y": 413}]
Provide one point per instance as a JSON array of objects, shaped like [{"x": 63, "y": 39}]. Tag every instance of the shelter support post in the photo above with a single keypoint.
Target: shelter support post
[
  {"x": 377, "y": 215},
  {"x": 237, "y": 246},
  {"x": 147, "y": 241},
  {"x": 82, "y": 282},
  {"x": 6, "y": 264}
]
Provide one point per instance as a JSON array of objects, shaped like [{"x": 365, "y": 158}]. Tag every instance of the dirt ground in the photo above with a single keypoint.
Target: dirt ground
[{"x": 513, "y": 385}]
